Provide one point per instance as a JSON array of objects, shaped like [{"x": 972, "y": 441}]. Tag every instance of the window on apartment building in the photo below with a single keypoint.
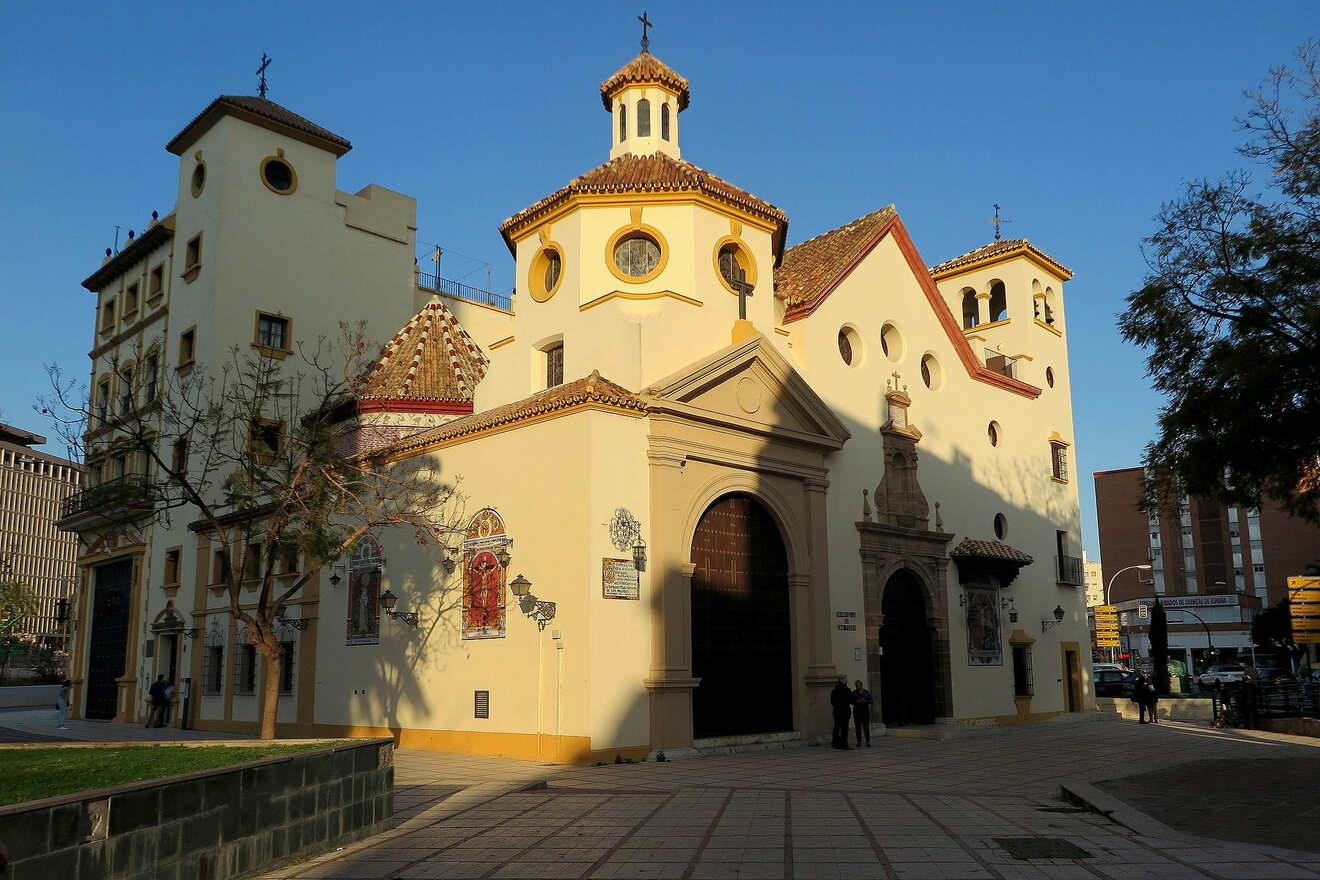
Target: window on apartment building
[
  {"x": 289, "y": 559},
  {"x": 130, "y": 301},
  {"x": 266, "y": 439},
  {"x": 252, "y": 562},
  {"x": 1022, "y": 685},
  {"x": 554, "y": 365},
  {"x": 156, "y": 283},
  {"x": 150, "y": 377},
  {"x": 272, "y": 331},
  {"x": 245, "y": 669},
  {"x": 126, "y": 389},
  {"x": 1159, "y": 581},
  {"x": 1258, "y": 568},
  {"x": 172, "y": 566},
  {"x": 103, "y": 401},
  {"x": 286, "y": 667},
  {"x": 187, "y": 346},
  {"x": 219, "y": 567},
  {"x": 1257, "y": 549},
  {"x": 179, "y": 455},
  {"x": 1059, "y": 461},
  {"x": 193, "y": 252},
  {"x": 1191, "y": 583},
  {"x": 213, "y": 670}
]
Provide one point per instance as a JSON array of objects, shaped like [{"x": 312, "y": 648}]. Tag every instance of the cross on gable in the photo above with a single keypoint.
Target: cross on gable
[
  {"x": 744, "y": 290},
  {"x": 261, "y": 72}
]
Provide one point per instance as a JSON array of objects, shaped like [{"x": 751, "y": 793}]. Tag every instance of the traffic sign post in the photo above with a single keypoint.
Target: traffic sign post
[{"x": 1304, "y": 609}]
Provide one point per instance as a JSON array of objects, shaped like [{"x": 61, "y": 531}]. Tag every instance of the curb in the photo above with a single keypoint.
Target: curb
[{"x": 1084, "y": 794}]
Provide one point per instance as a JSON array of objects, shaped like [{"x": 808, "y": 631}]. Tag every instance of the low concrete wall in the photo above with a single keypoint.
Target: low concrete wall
[
  {"x": 1295, "y": 726},
  {"x": 1169, "y": 709},
  {"x": 212, "y": 825},
  {"x": 33, "y": 695}
]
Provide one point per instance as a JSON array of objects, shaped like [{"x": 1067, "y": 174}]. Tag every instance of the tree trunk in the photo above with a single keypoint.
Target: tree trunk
[{"x": 269, "y": 649}]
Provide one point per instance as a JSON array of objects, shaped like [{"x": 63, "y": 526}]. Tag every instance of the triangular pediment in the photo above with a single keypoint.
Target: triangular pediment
[{"x": 749, "y": 386}]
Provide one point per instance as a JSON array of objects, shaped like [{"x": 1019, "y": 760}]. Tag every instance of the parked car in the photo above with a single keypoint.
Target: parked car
[
  {"x": 1221, "y": 675},
  {"x": 1096, "y": 667},
  {"x": 1113, "y": 682}
]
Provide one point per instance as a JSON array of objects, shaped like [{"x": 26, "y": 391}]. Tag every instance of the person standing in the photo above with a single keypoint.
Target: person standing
[
  {"x": 157, "y": 694},
  {"x": 861, "y": 707},
  {"x": 62, "y": 703},
  {"x": 841, "y": 701}
]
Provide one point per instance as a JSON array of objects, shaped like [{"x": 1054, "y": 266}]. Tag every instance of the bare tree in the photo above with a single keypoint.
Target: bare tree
[{"x": 261, "y": 456}]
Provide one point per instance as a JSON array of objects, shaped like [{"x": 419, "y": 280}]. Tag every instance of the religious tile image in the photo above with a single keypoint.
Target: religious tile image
[
  {"x": 484, "y": 577},
  {"x": 984, "y": 647}
]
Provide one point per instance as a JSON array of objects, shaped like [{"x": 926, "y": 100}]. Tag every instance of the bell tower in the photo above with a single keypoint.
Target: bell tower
[{"x": 644, "y": 98}]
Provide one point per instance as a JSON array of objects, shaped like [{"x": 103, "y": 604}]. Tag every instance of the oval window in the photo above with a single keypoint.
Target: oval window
[
  {"x": 637, "y": 256},
  {"x": 1001, "y": 526},
  {"x": 1049, "y": 376},
  {"x": 891, "y": 343},
  {"x": 552, "y": 269},
  {"x": 730, "y": 266},
  {"x": 278, "y": 175},
  {"x": 930, "y": 372},
  {"x": 847, "y": 347},
  {"x": 993, "y": 432},
  {"x": 198, "y": 179}
]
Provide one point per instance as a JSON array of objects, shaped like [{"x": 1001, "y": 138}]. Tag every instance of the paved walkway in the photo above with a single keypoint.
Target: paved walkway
[
  {"x": 41, "y": 725},
  {"x": 906, "y": 808}
]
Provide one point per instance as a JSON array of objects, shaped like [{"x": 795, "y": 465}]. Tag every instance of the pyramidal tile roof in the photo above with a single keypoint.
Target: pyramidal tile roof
[
  {"x": 646, "y": 68},
  {"x": 432, "y": 359},
  {"x": 970, "y": 548},
  {"x": 996, "y": 251},
  {"x": 263, "y": 112},
  {"x": 810, "y": 269},
  {"x": 656, "y": 172}
]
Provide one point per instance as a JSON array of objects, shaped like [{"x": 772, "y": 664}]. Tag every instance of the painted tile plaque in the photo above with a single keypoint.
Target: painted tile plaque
[
  {"x": 618, "y": 579},
  {"x": 983, "y": 644}
]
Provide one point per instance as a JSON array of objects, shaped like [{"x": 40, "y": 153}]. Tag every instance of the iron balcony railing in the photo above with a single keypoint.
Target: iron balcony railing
[
  {"x": 1069, "y": 570},
  {"x": 427, "y": 281},
  {"x": 130, "y": 490}
]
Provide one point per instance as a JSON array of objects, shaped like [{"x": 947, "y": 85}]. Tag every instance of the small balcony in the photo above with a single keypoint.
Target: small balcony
[
  {"x": 1069, "y": 569},
  {"x": 458, "y": 290},
  {"x": 128, "y": 497}
]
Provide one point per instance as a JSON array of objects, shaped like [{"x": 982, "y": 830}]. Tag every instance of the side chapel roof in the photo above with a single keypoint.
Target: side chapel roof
[
  {"x": 970, "y": 548},
  {"x": 656, "y": 172},
  {"x": 646, "y": 68},
  {"x": 810, "y": 269},
  {"x": 432, "y": 360},
  {"x": 587, "y": 390}
]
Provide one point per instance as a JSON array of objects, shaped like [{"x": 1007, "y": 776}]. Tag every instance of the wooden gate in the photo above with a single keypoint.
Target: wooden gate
[
  {"x": 105, "y": 659},
  {"x": 741, "y": 637}
]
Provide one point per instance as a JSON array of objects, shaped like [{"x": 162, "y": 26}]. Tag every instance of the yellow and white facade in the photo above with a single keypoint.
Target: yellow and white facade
[{"x": 858, "y": 478}]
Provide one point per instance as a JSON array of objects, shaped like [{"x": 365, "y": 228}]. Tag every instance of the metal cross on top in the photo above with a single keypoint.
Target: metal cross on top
[
  {"x": 997, "y": 221},
  {"x": 744, "y": 290},
  {"x": 261, "y": 72},
  {"x": 646, "y": 23}
]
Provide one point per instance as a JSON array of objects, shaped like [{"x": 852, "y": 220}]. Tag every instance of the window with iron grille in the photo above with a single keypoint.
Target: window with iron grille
[
  {"x": 481, "y": 704},
  {"x": 1022, "y": 685},
  {"x": 213, "y": 670},
  {"x": 245, "y": 669},
  {"x": 286, "y": 667},
  {"x": 554, "y": 366},
  {"x": 1059, "y": 459}
]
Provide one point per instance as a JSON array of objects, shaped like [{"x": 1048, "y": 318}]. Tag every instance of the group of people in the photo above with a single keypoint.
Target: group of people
[
  {"x": 1146, "y": 698},
  {"x": 854, "y": 704},
  {"x": 160, "y": 694}
]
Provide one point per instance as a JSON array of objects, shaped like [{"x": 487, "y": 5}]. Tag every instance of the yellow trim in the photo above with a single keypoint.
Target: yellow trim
[
  {"x": 622, "y": 294},
  {"x": 500, "y": 343},
  {"x": 744, "y": 257},
  {"x": 983, "y": 296},
  {"x": 973, "y": 335},
  {"x": 516, "y": 423},
  {"x": 575, "y": 202},
  {"x": 1056, "y": 437},
  {"x": 613, "y": 93},
  {"x": 1024, "y": 357},
  {"x": 782, "y": 332},
  {"x": 279, "y": 157},
  {"x": 536, "y": 272},
  {"x": 970, "y": 330},
  {"x": 1042, "y": 324},
  {"x": 1059, "y": 480},
  {"x": 634, "y": 228}
]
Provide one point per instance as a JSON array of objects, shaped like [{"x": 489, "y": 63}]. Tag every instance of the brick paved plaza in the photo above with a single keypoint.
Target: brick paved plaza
[{"x": 910, "y": 807}]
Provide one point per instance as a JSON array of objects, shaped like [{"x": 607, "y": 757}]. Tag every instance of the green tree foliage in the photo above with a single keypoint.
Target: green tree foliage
[
  {"x": 16, "y": 600},
  {"x": 1230, "y": 313},
  {"x": 1159, "y": 647}
]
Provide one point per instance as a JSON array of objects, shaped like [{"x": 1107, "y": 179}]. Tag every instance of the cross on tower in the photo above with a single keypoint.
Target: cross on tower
[
  {"x": 646, "y": 23},
  {"x": 744, "y": 290},
  {"x": 997, "y": 221},
  {"x": 261, "y": 72}
]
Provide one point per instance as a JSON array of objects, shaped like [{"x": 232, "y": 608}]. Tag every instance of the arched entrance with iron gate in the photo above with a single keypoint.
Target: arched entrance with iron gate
[{"x": 741, "y": 631}]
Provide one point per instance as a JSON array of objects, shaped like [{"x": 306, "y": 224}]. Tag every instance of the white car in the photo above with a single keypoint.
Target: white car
[{"x": 1221, "y": 675}]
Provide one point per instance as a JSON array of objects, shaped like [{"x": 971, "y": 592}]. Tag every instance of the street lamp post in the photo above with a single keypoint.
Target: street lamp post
[
  {"x": 1143, "y": 567},
  {"x": 1209, "y": 642}
]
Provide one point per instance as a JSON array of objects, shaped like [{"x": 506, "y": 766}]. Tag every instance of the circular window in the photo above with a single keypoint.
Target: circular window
[
  {"x": 993, "y": 433},
  {"x": 637, "y": 256},
  {"x": 931, "y": 375},
  {"x": 1049, "y": 376},
  {"x": 734, "y": 263},
  {"x": 731, "y": 269},
  {"x": 546, "y": 272},
  {"x": 1001, "y": 526},
  {"x": 849, "y": 346},
  {"x": 278, "y": 175},
  {"x": 891, "y": 343},
  {"x": 198, "y": 179}
]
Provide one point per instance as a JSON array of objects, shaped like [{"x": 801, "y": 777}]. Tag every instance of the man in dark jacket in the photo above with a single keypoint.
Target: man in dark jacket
[
  {"x": 158, "y": 702},
  {"x": 841, "y": 700}
]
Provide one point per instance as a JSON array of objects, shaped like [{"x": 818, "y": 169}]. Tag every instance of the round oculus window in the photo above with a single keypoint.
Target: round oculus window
[
  {"x": 846, "y": 346},
  {"x": 553, "y": 266},
  {"x": 931, "y": 375},
  {"x": 198, "y": 179},
  {"x": 637, "y": 256},
  {"x": 730, "y": 266},
  {"x": 1049, "y": 376},
  {"x": 992, "y": 431},
  {"x": 278, "y": 175}
]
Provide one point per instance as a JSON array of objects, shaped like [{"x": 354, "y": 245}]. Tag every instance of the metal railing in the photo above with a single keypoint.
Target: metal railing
[
  {"x": 129, "y": 490},
  {"x": 1243, "y": 704},
  {"x": 1069, "y": 570},
  {"x": 427, "y": 281}
]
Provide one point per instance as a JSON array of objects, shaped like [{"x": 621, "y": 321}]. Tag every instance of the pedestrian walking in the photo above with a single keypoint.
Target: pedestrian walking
[
  {"x": 1143, "y": 694},
  {"x": 62, "y": 703},
  {"x": 841, "y": 701},
  {"x": 156, "y": 693},
  {"x": 861, "y": 707}
]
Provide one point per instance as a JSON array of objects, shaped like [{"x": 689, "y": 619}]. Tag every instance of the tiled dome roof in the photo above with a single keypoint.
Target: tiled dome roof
[
  {"x": 431, "y": 360},
  {"x": 645, "y": 68}
]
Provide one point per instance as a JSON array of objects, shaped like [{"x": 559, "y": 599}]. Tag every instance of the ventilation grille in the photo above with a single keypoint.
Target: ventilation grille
[{"x": 481, "y": 707}]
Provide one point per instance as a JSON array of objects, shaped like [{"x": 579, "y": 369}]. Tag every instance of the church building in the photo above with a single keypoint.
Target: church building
[{"x": 705, "y": 474}]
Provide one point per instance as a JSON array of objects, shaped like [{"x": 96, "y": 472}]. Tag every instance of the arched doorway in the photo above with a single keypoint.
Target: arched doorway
[
  {"x": 741, "y": 645},
  {"x": 907, "y": 681}
]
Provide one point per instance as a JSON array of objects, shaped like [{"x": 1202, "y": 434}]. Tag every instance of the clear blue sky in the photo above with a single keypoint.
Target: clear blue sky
[{"x": 1079, "y": 119}]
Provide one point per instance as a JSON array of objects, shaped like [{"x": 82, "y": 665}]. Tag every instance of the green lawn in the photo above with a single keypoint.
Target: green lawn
[{"x": 32, "y": 774}]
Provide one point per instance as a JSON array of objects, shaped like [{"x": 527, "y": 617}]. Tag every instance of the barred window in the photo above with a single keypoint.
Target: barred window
[
  {"x": 245, "y": 669},
  {"x": 1022, "y": 686},
  {"x": 272, "y": 331},
  {"x": 286, "y": 667},
  {"x": 213, "y": 670},
  {"x": 1059, "y": 457}
]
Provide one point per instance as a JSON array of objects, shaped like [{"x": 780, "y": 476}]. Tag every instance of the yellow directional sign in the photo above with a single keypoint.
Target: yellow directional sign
[
  {"x": 1304, "y": 609},
  {"x": 1105, "y": 609},
  {"x": 1112, "y": 643}
]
